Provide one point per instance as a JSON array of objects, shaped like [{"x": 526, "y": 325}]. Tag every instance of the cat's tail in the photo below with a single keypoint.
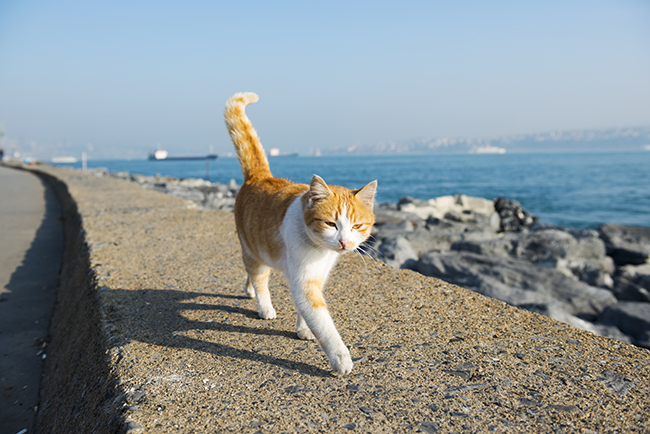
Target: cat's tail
[{"x": 252, "y": 158}]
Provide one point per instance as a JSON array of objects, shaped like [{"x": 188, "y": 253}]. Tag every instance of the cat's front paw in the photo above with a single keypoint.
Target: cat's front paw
[
  {"x": 341, "y": 361},
  {"x": 306, "y": 334},
  {"x": 267, "y": 313}
]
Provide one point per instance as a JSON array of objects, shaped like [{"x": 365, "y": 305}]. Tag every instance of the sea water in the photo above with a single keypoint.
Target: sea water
[{"x": 572, "y": 190}]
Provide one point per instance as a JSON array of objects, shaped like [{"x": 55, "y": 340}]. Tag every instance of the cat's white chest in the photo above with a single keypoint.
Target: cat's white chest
[{"x": 302, "y": 256}]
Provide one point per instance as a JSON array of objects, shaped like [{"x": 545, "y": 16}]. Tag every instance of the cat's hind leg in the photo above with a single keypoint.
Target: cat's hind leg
[
  {"x": 260, "y": 282},
  {"x": 249, "y": 290},
  {"x": 303, "y": 329},
  {"x": 258, "y": 278}
]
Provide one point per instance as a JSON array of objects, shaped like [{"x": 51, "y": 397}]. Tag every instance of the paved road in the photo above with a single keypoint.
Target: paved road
[{"x": 31, "y": 241}]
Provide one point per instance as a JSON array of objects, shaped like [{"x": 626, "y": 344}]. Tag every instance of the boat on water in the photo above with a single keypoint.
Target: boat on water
[
  {"x": 488, "y": 149},
  {"x": 275, "y": 152},
  {"x": 64, "y": 159},
  {"x": 162, "y": 155}
]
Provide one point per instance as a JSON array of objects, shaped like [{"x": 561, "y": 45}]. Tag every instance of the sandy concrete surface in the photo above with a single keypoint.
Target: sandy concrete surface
[
  {"x": 152, "y": 334},
  {"x": 31, "y": 244}
]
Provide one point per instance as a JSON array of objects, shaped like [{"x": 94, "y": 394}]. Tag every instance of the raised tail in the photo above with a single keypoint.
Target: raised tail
[{"x": 252, "y": 158}]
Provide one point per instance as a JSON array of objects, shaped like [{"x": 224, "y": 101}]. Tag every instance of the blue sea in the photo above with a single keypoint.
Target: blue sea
[{"x": 572, "y": 190}]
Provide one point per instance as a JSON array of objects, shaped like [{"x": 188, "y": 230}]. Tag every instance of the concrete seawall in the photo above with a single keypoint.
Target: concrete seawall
[{"x": 151, "y": 333}]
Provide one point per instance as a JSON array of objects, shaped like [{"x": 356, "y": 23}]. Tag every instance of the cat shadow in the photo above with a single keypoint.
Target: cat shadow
[{"x": 156, "y": 317}]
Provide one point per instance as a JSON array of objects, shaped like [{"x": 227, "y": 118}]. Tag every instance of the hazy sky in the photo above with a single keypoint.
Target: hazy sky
[{"x": 117, "y": 78}]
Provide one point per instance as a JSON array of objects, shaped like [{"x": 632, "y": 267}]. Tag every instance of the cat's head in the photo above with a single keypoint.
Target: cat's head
[{"x": 338, "y": 218}]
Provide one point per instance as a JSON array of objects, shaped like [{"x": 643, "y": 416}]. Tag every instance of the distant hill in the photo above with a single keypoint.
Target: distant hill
[{"x": 611, "y": 140}]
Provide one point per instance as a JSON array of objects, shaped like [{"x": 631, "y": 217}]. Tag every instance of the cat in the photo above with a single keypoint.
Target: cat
[{"x": 295, "y": 228}]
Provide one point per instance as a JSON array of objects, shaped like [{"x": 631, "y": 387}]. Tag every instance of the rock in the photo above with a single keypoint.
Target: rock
[
  {"x": 98, "y": 171},
  {"x": 140, "y": 179},
  {"x": 555, "y": 311},
  {"x": 429, "y": 427},
  {"x": 500, "y": 247},
  {"x": 408, "y": 200},
  {"x": 589, "y": 245},
  {"x": 121, "y": 175},
  {"x": 594, "y": 273},
  {"x": 217, "y": 201},
  {"x": 631, "y": 317},
  {"x": 615, "y": 382},
  {"x": 392, "y": 220},
  {"x": 576, "y": 253},
  {"x": 514, "y": 218},
  {"x": 644, "y": 281},
  {"x": 611, "y": 332},
  {"x": 205, "y": 194},
  {"x": 632, "y": 283},
  {"x": 489, "y": 222},
  {"x": 480, "y": 224},
  {"x": 439, "y": 207},
  {"x": 185, "y": 193},
  {"x": 194, "y": 183},
  {"x": 423, "y": 241},
  {"x": 426, "y": 235},
  {"x": 627, "y": 245},
  {"x": 398, "y": 252},
  {"x": 626, "y": 290},
  {"x": 643, "y": 340},
  {"x": 545, "y": 247},
  {"x": 581, "y": 258},
  {"x": 516, "y": 282}
]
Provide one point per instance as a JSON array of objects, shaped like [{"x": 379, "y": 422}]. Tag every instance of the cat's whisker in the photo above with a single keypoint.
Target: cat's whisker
[
  {"x": 369, "y": 249},
  {"x": 359, "y": 252}
]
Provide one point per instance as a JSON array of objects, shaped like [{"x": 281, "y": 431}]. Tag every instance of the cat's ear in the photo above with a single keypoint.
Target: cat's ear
[
  {"x": 318, "y": 190},
  {"x": 367, "y": 193}
]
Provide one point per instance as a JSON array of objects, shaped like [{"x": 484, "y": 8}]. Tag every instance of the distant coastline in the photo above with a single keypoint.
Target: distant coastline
[{"x": 633, "y": 139}]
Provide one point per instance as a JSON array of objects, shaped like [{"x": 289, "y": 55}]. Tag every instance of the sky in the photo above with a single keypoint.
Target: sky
[{"x": 119, "y": 78}]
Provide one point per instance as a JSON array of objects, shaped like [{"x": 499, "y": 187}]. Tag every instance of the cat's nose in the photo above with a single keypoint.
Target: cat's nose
[{"x": 343, "y": 244}]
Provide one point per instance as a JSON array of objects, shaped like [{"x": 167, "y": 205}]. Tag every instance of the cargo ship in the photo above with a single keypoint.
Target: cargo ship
[{"x": 162, "y": 155}]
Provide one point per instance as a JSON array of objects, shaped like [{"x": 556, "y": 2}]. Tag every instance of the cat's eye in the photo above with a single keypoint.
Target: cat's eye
[
  {"x": 357, "y": 227},
  {"x": 331, "y": 224}
]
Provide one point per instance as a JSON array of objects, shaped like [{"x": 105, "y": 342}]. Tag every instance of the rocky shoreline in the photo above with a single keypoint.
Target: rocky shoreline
[{"x": 596, "y": 280}]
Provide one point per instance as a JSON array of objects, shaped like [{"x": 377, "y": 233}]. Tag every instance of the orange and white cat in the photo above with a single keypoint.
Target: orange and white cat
[{"x": 296, "y": 228}]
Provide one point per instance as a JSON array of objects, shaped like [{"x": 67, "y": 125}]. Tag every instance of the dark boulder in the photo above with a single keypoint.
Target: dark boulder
[
  {"x": 391, "y": 220},
  {"x": 500, "y": 247},
  {"x": 632, "y": 318},
  {"x": 545, "y": 247},
  {"x": 574, "y": 252},
  {"x": 627, "y": 245},
  {"x": 465, "y": 222},
  {"x": 514, "y": 218},
  {"x": 632, "y": 283},
  {"x": 516, "y": 282},
  {"x": 397, "y": 252}
]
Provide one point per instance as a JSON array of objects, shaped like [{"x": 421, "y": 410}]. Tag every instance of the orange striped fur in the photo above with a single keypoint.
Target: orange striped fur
[{"x": 314, "y": 293}]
